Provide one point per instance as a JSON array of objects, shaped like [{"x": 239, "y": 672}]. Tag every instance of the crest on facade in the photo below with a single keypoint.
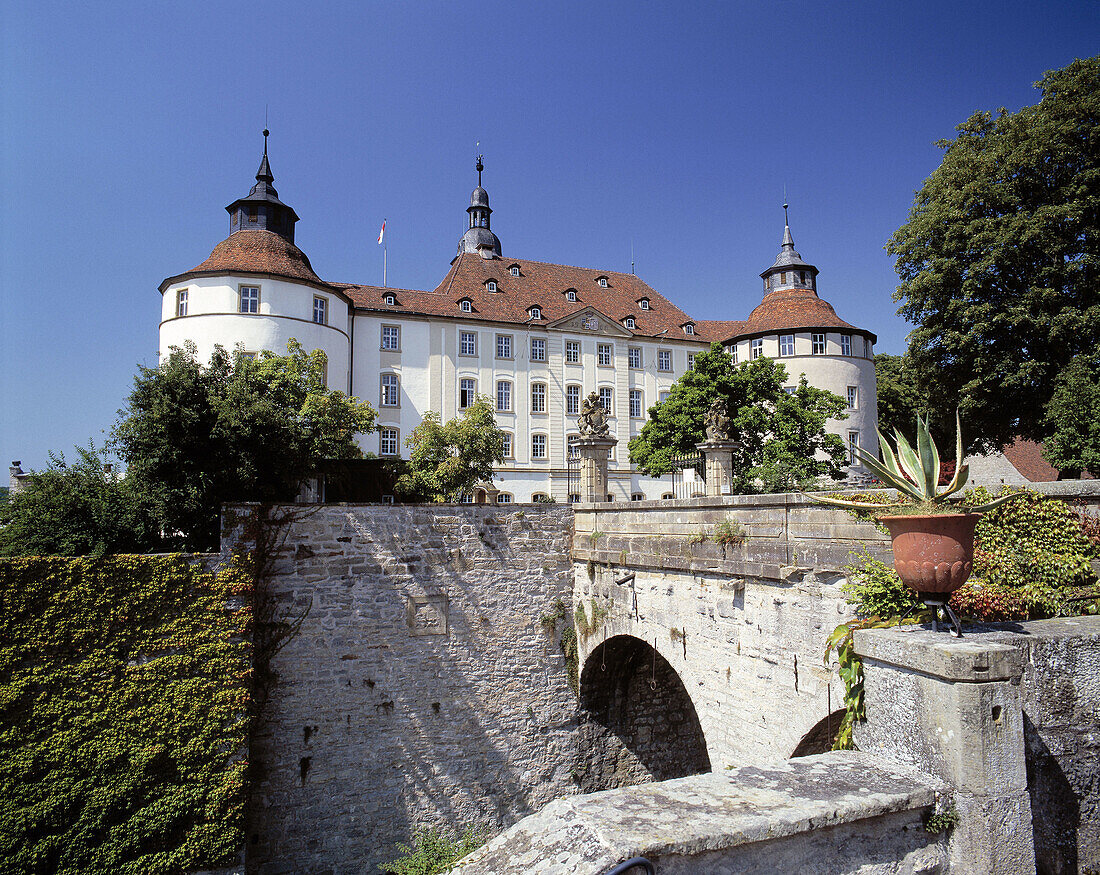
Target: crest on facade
[
  {"x": 717, "y": 421},
  {"x": 591, "y": 324},
  {"x": 593, "y": 419}
]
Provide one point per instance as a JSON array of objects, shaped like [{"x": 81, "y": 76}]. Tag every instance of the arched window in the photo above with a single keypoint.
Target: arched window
[
  {"x": 571, "y": 295},
  {"x": 514, "y": 270},
  {"x": 490, "y": 285},
  {"x": 390, "y": 299},
  {"x": 535, "y": 312},
  {"x": 629, "y": 322}
]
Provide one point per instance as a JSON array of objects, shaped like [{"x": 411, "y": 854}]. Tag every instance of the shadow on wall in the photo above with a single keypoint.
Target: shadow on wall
[
  {"x": 820, "y": 739},
  {"x": 638, "y": 723},
  {"x": 1054, "y": 808}
]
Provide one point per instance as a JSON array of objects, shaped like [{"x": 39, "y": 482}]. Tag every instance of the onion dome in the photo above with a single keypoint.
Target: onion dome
[
  {"x": 261, "y": 209},
  {"x": 479, "y": 238}
]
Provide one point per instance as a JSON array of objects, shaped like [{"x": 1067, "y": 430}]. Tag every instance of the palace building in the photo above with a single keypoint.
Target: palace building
[{"x": 534, "y": 337}]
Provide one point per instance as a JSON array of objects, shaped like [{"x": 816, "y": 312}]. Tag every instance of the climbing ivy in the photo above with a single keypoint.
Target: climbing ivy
[{"x": 124, "y": 711}]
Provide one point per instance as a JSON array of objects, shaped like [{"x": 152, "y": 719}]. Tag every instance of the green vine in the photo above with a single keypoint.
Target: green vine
[
  {"x": 942, "y": 821},
  {"x": 568, "y": 643}
]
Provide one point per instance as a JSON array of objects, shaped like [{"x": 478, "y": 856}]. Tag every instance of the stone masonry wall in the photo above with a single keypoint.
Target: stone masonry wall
[
  {"x": 421, "y": 688},
  {"x": 743, "y": 624}
]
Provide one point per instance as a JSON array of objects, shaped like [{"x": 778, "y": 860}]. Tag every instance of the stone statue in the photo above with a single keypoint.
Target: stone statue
[
  {"x": 718, "y": 421},
  {"x": 593, "y": 419}
]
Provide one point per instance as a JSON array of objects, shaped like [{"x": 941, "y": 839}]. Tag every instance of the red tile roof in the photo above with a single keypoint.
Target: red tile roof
[
  {"x": 720, "y": 329},
  {"x": 258, "y": 251},
  {"x": 538, "y": 284},
  {"x": 794, "y": 310},
  {"x": 1027, "y": 458}
]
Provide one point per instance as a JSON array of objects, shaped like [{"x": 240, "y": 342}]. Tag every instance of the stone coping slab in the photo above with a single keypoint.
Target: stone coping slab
[
  {"x": 973, "y": 658},
  {"x": 713, "y": 812}
]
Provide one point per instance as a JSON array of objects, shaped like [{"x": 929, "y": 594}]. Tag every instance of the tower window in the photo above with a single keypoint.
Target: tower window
[
  {"x": 756, "y": 348},
  {"x": 250, "y": 299},
  {"x": 817, "y": 344},
  {"x": 853, "y": 397},
  {"x": 320, "y": 311},
  {"x": 181, "y": 302},
  {"x": 853, "y": 445},
  {"x": 253, "y": 216},
  {"x": 845, "y": 344},
  {"x": 786, "y": 344}
]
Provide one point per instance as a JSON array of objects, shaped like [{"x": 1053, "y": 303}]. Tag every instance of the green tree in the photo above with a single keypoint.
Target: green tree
[
  {"x": 900, "y": 398},
  {"x": 1073, "y": 418},
  {"x": 999, "y": 259},
  {"x": 77, "y": 509},
  {"x": 449, "y": 459},
  {"x": 781, "y": 436},
  {"x": 196, "y": 436}
]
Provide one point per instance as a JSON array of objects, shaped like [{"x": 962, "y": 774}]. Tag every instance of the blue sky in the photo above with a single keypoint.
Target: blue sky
[{"x": 126, "y": 128}]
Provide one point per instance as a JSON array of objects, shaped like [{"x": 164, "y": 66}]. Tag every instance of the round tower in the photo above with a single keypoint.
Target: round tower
[{"x": 257, "y": 290}]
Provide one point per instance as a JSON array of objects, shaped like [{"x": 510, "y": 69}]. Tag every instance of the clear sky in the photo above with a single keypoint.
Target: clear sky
[{"x": 127, "y": 127}]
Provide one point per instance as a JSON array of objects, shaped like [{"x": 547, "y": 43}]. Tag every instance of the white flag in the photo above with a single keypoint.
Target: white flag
[{"x": 382, "y": 233}]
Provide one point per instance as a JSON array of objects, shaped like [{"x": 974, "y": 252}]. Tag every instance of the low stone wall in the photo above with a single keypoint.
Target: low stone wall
[
  {"x": 830, "y": 814},
  {"x": 421, "y": 687},
  {"x": 742, "y": 624}
]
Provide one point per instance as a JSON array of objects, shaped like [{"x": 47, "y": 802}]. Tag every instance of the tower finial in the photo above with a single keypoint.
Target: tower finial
[
  {"x": 788, "y": 240},
  {"x": 266, "y": 133},
  {"x": 480, "y": 167}
]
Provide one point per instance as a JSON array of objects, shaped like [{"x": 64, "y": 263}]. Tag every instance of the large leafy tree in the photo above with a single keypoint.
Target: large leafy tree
[
  {"x": 195, "y": 436},
  {"x": 77, "y": 508},
  {"x": 450, "y": 458},
  {"x": 999, "y": 259},
  {"x": 1073, "y": 418},
  {"x": 901, "y": 398},
  {"x": 781, "y": 436}
]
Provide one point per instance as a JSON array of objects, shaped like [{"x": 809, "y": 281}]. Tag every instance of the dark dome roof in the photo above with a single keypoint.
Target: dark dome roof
[
  {"x": 257, "y": 251},
  {"x": 479, "y": 197}
]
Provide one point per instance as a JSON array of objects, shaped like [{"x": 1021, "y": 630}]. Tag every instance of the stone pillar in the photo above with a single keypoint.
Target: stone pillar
[
  {"x": 593, "y": 453},
  {"x": 952, "y": 708},
  {"x": 718, "y": 458}
]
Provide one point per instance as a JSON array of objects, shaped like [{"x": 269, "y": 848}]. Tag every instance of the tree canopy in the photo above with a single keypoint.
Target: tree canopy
[
  {"x": 998, "y": 260},
  {"x": 196, "y": 436},
  {"x": 77, "y": 509},
  {"x": 1073, "y": 418},
  {"x": 782, "y": 437},
  {"x": 449, "y": 459}
]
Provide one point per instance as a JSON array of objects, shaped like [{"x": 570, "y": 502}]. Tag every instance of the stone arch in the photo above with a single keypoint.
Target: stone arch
[
  {"x": 820, "y": 738},
  {"x": 638, "y": 723}
]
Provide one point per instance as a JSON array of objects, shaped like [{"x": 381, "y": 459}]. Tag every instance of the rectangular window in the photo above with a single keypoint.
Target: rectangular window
[
  {"x": 691, "y": 361},
  {"x": 504, "y": 498},
  {"x": 634, "y": 357},
  {"x": 504, "y": 346},
  {"x": 662, "y": 397},
  {"x": 786, "y": 344},
  {"x": 538, "y": 397},
  {"x": 817, "y": 344},
  {"x": 664, "y": 360},
  {"x": 467, "y": 343},
  {"x": 538, "y": 446},
  {"x": 853, "y": 445},
  {"x": 733, "y": 353},
  {"x": 605, "y": 398},
  {"x": 636, "y": 403},
  {"x": 390, "y": 394},
  {"x": 572, "y": 400},
  {"x": 572, "y": 352},
  {"x": 391, "y": 337},
  {"x": 250, "y": 299},
  {"x": 845, "y": 344},
  {"x": 756, "y": 348},
  {"x": 853, "y": 397},
  {"x": 507, "y": 442},
  {"x": 181, "y": 302},
  {"x": 467, "y": 389},
  {"x": 538, "y": 349},
  {"x": 790, "y": 390},
  {"x": 504, "y": 395},
  {"x": 320, "y": 311},
  {"x": 603, "y": 354},
  {"x": 571, "y": 443},
  {"x": 389, "y": 441}
]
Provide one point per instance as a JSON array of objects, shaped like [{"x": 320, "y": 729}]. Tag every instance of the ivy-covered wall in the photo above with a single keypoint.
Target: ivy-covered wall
[{"x": 124, "y": 704}]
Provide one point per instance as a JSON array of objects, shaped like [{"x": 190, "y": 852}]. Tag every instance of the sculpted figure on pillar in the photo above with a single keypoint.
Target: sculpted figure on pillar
[
  {"x": 718, "y": 421},
  {"x": 593, "y": 419}
]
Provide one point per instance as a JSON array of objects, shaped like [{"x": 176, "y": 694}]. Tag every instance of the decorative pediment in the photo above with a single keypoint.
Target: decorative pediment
[{"x": 590, "y": 321}]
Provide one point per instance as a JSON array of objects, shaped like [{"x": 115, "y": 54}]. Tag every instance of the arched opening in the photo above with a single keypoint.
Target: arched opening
[
  {"x": 820, "y": 739},
  {"x": 638, "y": 721},
  {"x": 480, "y": 497}
]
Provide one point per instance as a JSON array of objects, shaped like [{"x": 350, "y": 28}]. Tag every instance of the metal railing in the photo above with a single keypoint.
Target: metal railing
[
  {"x": 634, "y": 863},
  {"x": 688, "y": 476}
]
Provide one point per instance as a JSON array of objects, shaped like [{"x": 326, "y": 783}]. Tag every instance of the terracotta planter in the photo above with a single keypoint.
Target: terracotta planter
[{"x": 933, "y": 555}]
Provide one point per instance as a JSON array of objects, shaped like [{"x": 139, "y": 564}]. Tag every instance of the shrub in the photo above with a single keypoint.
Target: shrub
[
  {"x": 876, "y": 590},
  {"x": 433, "y": 851}
]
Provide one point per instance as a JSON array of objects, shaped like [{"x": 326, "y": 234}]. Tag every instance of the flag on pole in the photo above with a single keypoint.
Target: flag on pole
[{"x": 382, "y": 233}]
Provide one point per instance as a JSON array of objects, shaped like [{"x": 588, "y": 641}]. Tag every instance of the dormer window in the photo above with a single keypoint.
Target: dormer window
[
  {"x": 603, "y": 282},
  {"x": 689, "y": 328},
  {"x": 514, "y": 270},
  {"x": 535, "y": 312},
  {"x": 390, "y": 299},
  {"x": 571, "y": 295},
  {"x": 629, "y": 322},
  {"x": 644, "y": 304},
  {"x": 465, "y": 305},
  {"x": 490, "y": 285}
]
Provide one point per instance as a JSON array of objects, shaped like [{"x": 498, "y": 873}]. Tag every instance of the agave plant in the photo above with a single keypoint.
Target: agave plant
[{"x": 915, "y": 473}]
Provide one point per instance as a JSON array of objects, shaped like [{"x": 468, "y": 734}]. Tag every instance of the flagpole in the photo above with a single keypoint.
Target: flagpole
[{"x": 384, "y": 257}]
